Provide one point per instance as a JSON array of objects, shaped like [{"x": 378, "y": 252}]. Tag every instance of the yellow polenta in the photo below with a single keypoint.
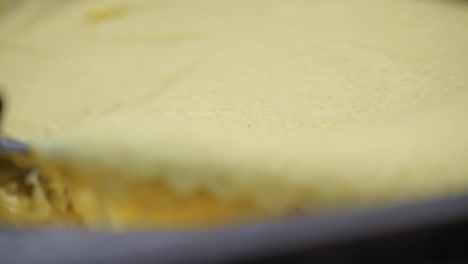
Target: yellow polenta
[{"x": 188, "y": 113}]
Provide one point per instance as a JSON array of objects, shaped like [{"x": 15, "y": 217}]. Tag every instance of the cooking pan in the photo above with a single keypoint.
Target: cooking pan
[{"x": 434, "y": 231}]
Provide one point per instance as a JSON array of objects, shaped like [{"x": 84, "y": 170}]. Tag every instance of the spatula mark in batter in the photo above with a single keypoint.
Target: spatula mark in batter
[
  {"x": 100, "y": 14},
  {"x": 167, "y": 82}
]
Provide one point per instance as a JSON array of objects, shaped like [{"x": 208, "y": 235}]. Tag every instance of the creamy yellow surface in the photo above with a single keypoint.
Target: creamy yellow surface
[{"x": 284, "y": 104}]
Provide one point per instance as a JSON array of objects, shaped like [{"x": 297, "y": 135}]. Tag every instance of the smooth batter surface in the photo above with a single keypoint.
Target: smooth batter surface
[{"x": 310, "y": 104}]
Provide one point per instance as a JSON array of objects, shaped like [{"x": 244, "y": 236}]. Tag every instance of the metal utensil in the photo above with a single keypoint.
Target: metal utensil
[
  {"x": 8, "y": 145},
  {"x": 11, "y": 146}
]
